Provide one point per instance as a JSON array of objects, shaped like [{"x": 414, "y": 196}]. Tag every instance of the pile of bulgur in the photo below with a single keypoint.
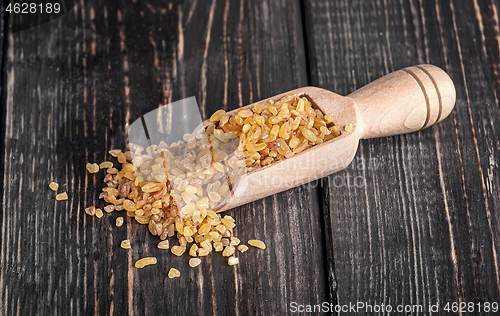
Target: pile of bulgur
[{"x": 174, "y": 189}]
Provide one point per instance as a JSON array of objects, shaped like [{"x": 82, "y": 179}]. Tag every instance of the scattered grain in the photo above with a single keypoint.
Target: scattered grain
[
  {"x": 92, "y": 167},
  {"x": 229, "y": 251},
  {"x": 90, "y": 210},
  {"x": 114, "y": 152},
  {"x": 173, "y": 273},
  {"x": 106, "y": 165},
  {"x": 203, "y": 252},
  {"x": 194, "y": 262},
  {"x": 193, "y": 250},
  {"x": 141, "y": 263},
  {"x": 218, "y": 246},
  {"x": 54, "y": 186},
  {"x": 119, "y": 221},
  {"x": 163, "y": 244},
  {"x": 125, "y": 244},
  {"x": 121, "y": 157},
  {"x": 62, "y": 196},
  {"x": 257, "y": 243},
  {"x": 229, "y": 224},
  {"x": 242, "y": 248},
  {"x": 99, "y": 213},
  {"x": 112, "y": 171},
  {"x": 233, "y": 261},
  {"x": 234, "y": 241},
  {"x": 178, "y": 250}
]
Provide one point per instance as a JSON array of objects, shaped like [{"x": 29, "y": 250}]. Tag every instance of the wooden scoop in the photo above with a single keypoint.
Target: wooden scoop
[{"x": 404, "y": 101}]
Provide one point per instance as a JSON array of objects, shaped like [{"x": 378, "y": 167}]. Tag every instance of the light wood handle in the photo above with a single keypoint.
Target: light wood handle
[{"x": 404, "y": 101}]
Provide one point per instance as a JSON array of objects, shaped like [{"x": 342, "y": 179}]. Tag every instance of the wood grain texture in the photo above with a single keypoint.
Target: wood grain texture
[
  {"x": 72, "y": 85},
  {"x": 2, "y": 39},
  {"x": 413, "y": 220},
  {"x": 2, "y": 94},
  {"x": 421, "y": 223}
]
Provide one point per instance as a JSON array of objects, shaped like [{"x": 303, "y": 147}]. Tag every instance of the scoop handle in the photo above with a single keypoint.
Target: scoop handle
[{"x": 404, "y": 101}]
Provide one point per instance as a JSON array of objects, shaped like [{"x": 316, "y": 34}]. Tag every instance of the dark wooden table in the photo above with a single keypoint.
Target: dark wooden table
[{"x": 419, "y": 227}]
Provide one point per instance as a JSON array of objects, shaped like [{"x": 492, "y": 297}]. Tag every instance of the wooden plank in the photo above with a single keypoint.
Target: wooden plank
[
  {"x": 2, "y": 39},
  {"x": 2, "y": 47},
  {"x": 73, "y": 84},
  {"x": 2, "y": 95},
  {"x": 2, "y": 98},
  {"x": 418, "y": 222}
]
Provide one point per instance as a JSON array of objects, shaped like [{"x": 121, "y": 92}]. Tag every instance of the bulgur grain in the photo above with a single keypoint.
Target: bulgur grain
[
  {"x": 99, "y": 213},
  {"x": 257, "y": 243},
  {"x": 141, "y": 263},
  {"x": 175, "y": 188},
  {"x": 54, "y": 186},
  {"x": 112, "y": 171},
  {"x": 106, "y": 165},
  {"x": 194, "y": 262},
  {"x": 62, "y": 196},
  {"x": 92, "y": 167},
  {"x": 174, "y": 273},
  {"x": 218, "y": 246},
  {"x": 242, "y": 248},
  {"x": 129, "y": 205},
  {"x": 203, "y": 252},
  {"x": 125, "y": 244},
  {"x": 335, "y": 131},
  {"x": 193, "y": 250},
  {"x": 217, "y": 115},
  {"x": 228, "y": 251},
  {"x": 121, "y": 157},
  {"x": 119, "y": 221},
  {"x": 233, "y": 261},
  {"x": 163, "y": 244},
  {"x": 90, "y": 210},
  {"x": 229, "y": 224},
  {"x": 234, "y": 241},
  {"x": 114, "y": 152},
  {"x": 178, "y": 250},
  {"x": 244, "y": 113},
  {"x": 348, "y": 127},
  {"x": 328, "y": 119}
]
